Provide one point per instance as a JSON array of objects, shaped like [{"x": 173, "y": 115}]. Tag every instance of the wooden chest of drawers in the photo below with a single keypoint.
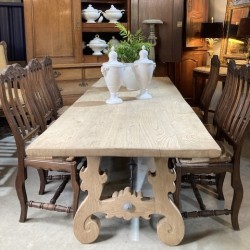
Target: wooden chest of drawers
[{"x": 73, "y": 80}]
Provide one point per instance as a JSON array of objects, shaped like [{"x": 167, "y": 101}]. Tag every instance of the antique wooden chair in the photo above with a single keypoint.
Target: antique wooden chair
[
  {"x": 52, "y": 86},
  {"x": 24, "y": 126},
  {"x": 231, "y": 118},
  {"x": 38, "y": 87},
  {"x": 203, "y": 110}
]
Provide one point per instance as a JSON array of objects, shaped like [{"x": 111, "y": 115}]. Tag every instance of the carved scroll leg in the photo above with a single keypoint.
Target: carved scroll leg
[
  {"x": 86, "y": 226},
  {"x": 170, "y": 229}
]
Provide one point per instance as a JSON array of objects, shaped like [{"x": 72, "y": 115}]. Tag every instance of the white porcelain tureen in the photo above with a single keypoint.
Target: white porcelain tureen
[
  {"x": 113, "y": 14},
  {"x": 97, "y": 45},
  {"x": 90, "y": 14}
]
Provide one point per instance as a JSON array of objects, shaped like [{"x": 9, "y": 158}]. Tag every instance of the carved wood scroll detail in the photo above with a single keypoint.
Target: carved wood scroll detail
[{"x": 127, "y": 205}]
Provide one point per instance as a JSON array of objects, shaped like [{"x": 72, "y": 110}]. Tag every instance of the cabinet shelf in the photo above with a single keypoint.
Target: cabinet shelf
[
  {"x": 101, "y": 1},
  {"x": 100, "y": 27}
]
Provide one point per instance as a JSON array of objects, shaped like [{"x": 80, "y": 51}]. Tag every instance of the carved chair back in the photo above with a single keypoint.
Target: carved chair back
[
  {"x": 210, "y": 87},
  {"x": 20, "y": 117},
  {"x": 51, "y": 83},
  {"x": 40, "y": 91}
]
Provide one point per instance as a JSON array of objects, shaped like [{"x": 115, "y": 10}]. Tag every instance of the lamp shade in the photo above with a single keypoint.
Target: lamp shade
[
  {"x": 244, "y": 27},
  {"x": 233, "y": 29},
  {"x": 212, "y": 30}
]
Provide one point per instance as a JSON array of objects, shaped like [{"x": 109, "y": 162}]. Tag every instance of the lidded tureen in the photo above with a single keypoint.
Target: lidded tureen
[
  {"x": 113, "y": 42},
  {"x": 90, "y": 14},
  {"x": 113, "y": 14},
  {"x": 97, "y": 45}
]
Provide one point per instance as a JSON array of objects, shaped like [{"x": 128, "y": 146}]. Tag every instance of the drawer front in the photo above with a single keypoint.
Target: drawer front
[
  {"x": 72, "y": 87},
  {"x": 70, "y": 99},
  {"x": 94, "y": 73},
  {"x": 67, "y": 74}
]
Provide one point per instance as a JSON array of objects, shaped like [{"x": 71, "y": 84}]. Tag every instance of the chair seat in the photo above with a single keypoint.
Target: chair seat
[{"x": 225, "y": 156}]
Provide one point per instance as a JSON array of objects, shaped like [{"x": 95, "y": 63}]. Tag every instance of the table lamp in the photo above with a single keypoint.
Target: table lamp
[
  {"x": 244, "y": 32},
  {"x": 211, "y": 32}
]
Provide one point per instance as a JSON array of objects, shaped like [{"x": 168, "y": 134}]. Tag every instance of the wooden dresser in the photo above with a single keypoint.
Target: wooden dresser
[{"x": 56, "y": 28}]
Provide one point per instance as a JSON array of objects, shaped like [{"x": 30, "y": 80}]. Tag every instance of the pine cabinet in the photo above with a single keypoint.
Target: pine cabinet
[
  {"x": 56, "y": 28},
  {"x": 194, "y": 52},
  {"x": 190, "y": 60},
  {"x": 196, "y": 13},
  {"x": 53, "y": 27},
  {"x": 74, "y": 80}
]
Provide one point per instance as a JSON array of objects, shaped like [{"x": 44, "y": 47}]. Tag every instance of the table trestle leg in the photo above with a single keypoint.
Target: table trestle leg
[{"x": 128, "y": 204}]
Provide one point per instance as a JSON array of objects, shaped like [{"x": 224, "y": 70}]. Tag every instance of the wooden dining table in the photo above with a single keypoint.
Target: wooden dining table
[{"x": 158, "y": 128}]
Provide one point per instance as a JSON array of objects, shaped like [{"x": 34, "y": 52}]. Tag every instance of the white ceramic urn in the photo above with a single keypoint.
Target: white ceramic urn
[
  {"x": 143, "y": 69},
  {"x": 113, "y": 14},
  {"x": 113, "y": 73}
]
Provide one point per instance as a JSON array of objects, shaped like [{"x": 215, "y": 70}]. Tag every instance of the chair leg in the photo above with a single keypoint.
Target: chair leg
[
  {"x": 176, "y": 194},
  {"x": 197, "y": 193},
  {"x": 76, "y": 188},
  {"x": 237, "y": 199},
  {"x": 21, "y": 192},
  {"x": 219, "y": 184},
  {"x": 205, "y": 117},
  {"x": 43, "y": 180}
]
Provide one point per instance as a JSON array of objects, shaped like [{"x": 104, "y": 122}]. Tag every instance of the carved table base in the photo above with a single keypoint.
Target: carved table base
[{"x": 127, "y": 205}]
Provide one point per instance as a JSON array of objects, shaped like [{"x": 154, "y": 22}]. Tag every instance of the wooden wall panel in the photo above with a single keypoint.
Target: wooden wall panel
[{"x": 169, "y": 42}]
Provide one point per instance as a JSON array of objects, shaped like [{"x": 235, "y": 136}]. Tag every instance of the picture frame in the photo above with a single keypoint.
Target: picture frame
[{"x": 239, "y": 2}]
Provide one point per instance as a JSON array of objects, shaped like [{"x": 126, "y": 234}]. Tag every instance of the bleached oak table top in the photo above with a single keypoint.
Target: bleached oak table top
[
  {"x": 155, "y": 129},
  {"x": 162, "y": 126}
]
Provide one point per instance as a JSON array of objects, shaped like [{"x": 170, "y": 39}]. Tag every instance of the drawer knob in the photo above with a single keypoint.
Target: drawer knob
[
  {"x": 83, "y": 84},
  {"x": 57, "y": 73}
]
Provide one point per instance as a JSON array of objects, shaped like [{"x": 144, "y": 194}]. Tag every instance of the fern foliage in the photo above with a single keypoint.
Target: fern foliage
[{"x": 129, "y": 48}]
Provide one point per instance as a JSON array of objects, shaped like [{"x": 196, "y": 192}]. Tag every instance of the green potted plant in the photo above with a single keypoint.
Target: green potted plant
[{"x": 128, "y": 51}]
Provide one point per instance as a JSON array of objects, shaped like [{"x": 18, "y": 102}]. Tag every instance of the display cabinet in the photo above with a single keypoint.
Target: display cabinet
[
  {"x": 56, "y": 28},
  {"x": 103, "y": 28},
  {"x": 194, "y": 52}
]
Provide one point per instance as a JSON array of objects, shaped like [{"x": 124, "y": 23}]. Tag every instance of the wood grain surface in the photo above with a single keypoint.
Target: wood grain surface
[{"x": 164, "y": 126}]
